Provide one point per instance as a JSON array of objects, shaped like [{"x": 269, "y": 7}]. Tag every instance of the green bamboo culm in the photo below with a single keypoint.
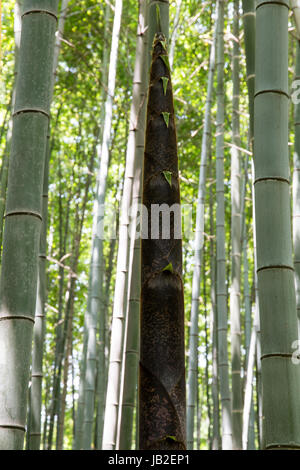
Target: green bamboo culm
[
  {"x": 18, "y": 286},
  {"x": 249, "y": 40},
  {"x": 162, "y": 415},
  {"x": 296, "y": 191},
  {"x": 236, "y": 246},
  {"x": 275, "y": 273},
  {"x": 5, "y": 160},
  {"x": 221, "y": 295}
]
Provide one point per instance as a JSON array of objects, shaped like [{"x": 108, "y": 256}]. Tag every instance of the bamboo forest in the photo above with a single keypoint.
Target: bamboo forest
[{"x": 150, "y": 225}]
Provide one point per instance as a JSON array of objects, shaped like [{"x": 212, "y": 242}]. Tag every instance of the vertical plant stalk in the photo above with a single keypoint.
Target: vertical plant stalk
[
  {"x": 97, "y": 241},
  {"x": 5, "y": 163},
  {"x": 296, "y": 193},
  {"x": 275, "y": 273},
  {"x": 67, "y": 353},
  {"x": 101, "y": 383},
  {"x": 78, "y": 437},
  {"x": 207, "y": 388},
  {"x": 61, "y": 322},
  {"x": 193, "y": 336},
  {"x": 235, "y": 292},
  {"x": 249, "y": 39},
  {"x": 100, "y": 392},
  {"x": 214, "y": 324},
  {"x": 295, "y": 6},
  {"x": 257, "y": 318},
  {"x": 0, "y": 31},
  {"x": 68, "y": 331},
  {"x": 162, "y": 366},
  {"x": 104, "y": 164},
  {"x": 81, "y": 412},
  {"x": 248, "y": 313},
  {"x": 174, "y": 33},
  {"x": 248, "y": 389},
  {"x": 39, "y": 330},
  {"x": 40, "y": 326},
  {"x": 121, "y": 283},
  {"x": 18, "y": 284},
  {"x": 131, "y": 337},
  {"x": 221, "y": 294}
]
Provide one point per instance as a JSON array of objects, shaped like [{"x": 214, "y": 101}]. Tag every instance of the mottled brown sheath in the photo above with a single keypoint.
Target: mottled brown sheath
[{"x": 162, "y": 407}]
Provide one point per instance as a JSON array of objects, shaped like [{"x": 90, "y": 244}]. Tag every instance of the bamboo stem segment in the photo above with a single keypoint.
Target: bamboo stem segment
[
  {"x": 275, "y": 274},
  {"x": 18, "y": 284}
]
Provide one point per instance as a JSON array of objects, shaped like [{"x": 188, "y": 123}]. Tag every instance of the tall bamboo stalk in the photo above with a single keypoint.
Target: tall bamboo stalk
[
  {"x": 174, "y": 33},
  {"x": 39, "y": 330},
  {"x": 249, "y": 39},
  {"x": 79, "y": 220},
  {"x": 221, "y": 294},
  {"x": 248, "y": 389},
  {"x": 39, "y": 327},
  {"x": 121, "y": 283},
  {"x": 295, "y": 6},
  {"x": 131, "y": 337},
  {"x": 296, "y": 192},
  {"x": 83, "y": 411},
  {"x": 235, "y": 292},
  {"x": 97, "y": 241},
  {"x": 193, "y": 336},
  {"x": 61, "y": 322},
  {"x": 5, "y": 162},
  {"x": 275, "y": 273},
  {"x": 18, "y": 284},
  {"x": 214, "y": 323}
]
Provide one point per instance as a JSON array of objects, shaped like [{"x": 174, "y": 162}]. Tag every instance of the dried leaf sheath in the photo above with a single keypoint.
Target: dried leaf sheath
[{"x": 162, "y": 365}]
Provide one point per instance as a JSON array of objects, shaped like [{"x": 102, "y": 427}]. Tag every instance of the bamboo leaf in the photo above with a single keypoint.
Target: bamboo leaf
[
  {"x": 166, "y": 117},
  {"x": 164, "y": 44},
  {"x": 165, "y": 60},
  {"x": 168, "y": 176},
  {"x": 169, "y": 268},
  {"x": 165, "y": 81}
]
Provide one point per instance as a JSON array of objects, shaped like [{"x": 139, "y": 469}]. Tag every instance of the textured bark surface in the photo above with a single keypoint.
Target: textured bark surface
[{"x": 162, "y": 365}]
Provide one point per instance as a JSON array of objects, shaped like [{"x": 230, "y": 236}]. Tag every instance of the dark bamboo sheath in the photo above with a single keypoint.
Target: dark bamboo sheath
[{"x": 162, "y": 366}]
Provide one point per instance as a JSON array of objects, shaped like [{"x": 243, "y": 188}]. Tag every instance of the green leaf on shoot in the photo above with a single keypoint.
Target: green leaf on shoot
[
  {"x": 169, "y": 268},
  {"x": 165, "y": 81},
  {"x": 164, "y": 44},
  {"x": 168, "y": 176},
  {"x": 165, "y": 60},
  {"x": 166, "y": 117}
]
